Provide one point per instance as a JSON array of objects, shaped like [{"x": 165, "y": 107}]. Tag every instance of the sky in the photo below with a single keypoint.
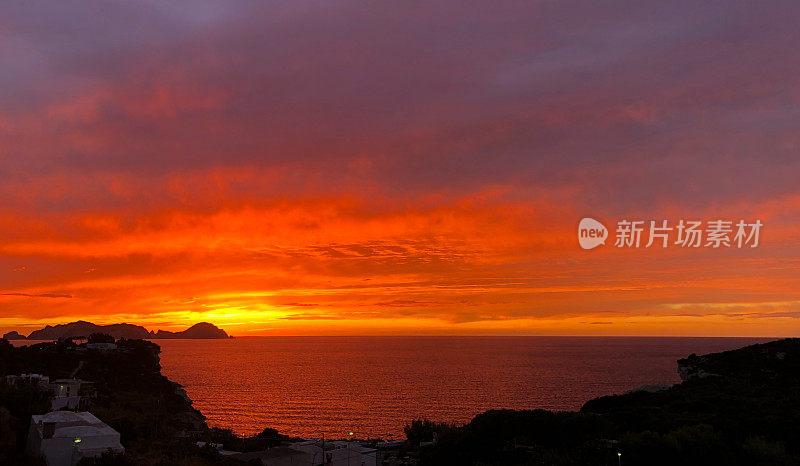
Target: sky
[{"x": 359, "y": 167}]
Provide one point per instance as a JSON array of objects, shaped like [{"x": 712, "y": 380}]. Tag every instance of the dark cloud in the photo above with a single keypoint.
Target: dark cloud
[
  {"x": 39, "y": 295},
  {"x": 681, "y": 101}
]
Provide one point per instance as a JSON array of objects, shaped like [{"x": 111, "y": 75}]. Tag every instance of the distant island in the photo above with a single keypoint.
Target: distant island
[{"x": 81, "y": 328}]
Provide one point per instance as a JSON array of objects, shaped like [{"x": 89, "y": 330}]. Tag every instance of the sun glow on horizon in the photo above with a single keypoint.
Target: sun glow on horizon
[{"x": 422, "y": 173}]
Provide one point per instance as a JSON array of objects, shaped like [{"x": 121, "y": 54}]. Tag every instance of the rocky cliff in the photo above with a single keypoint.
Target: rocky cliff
[
  {"x": 203, "y": 330},
  {"x": 13, "y": 336},
  {"x": 773, "y": 361}
]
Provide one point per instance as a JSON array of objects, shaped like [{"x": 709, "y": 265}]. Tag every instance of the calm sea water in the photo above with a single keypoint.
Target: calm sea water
[{"x": 372, "y": 386}]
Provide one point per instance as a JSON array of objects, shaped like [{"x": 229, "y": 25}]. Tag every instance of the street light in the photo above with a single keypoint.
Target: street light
[
  {"x": 75, "y": 443},
  {"x": 619, "y": 458}
]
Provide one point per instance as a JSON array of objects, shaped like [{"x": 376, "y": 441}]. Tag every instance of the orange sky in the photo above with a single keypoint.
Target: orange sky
[{"x": 306, "y": 168}]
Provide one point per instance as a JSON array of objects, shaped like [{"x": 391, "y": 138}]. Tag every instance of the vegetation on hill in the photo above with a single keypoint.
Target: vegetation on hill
[
  {"x": 153, "y": 419},
  {"x": 739, "y": 407}
]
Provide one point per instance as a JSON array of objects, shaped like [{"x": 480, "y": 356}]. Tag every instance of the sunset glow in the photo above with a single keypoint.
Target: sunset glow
[{"x": 401, "y": 172}]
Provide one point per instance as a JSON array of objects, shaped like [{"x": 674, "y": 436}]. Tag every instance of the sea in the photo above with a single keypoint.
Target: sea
[{"x": 371, "y": 387}]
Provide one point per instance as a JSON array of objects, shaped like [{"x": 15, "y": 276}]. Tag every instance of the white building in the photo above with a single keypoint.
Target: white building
[
  {"x": 64, "y": 437},
  {"x": 66, "y": 387},
  {"x": 102, "y": 346},
  {"x": 65, "y": 402},
  {"x": 40, "y": 380},
  {"x": 276, "y": 456},
  {"x": 338, "y": 453}
]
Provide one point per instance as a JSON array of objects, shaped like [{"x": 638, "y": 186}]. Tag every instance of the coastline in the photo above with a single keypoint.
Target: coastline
[
  {"x": 752, "y": 388},
  {"x": 240, "y": 383},
  {"x": 220, "y": 376}
]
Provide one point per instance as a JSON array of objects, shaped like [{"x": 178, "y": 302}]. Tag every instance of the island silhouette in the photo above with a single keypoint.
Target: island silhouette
[{"x": 82, "y": 328}]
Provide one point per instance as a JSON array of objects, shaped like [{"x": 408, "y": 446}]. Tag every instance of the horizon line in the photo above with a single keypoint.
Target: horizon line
[{"x": 449, "y": 335}]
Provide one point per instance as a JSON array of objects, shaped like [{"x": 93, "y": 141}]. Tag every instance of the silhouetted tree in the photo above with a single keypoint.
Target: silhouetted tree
[{"x": 100, "y": 338}]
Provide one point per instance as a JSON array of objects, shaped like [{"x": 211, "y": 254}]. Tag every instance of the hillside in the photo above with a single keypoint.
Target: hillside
[
  {"x": 739, "y": 407},
  {"x": 131, "y": 395},
  {"x": 154, "y": 416}
]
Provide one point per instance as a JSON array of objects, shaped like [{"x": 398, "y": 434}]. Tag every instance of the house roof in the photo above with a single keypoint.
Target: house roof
[
  {"x": 63, "y": 417},
  {"x": 79, "y": 431},
  {"x": 69, "y": 424}
]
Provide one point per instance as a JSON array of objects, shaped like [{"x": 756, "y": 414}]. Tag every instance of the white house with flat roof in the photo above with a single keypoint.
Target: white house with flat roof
[{"x": 64, "y": 437}]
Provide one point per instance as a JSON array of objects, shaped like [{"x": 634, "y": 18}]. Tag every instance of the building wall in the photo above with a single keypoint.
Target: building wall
[
  {"x": 34, "y": 443},
  {"x": 298, "y": 460},
  {"x": 347, "y": 456},
  {"x": 67, "y": 388},
  {"x": 63, "y": 451},
  {"x": 64, "y": 402}
]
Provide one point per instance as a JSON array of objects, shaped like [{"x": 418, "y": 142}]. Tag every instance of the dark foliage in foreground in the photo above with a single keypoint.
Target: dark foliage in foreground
[
  {"x": 739, "y": 407},
  {"x": 267, "y": 438},
  {"x": 130, "y": 395},
  {"x": 100, "y": 338}
]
